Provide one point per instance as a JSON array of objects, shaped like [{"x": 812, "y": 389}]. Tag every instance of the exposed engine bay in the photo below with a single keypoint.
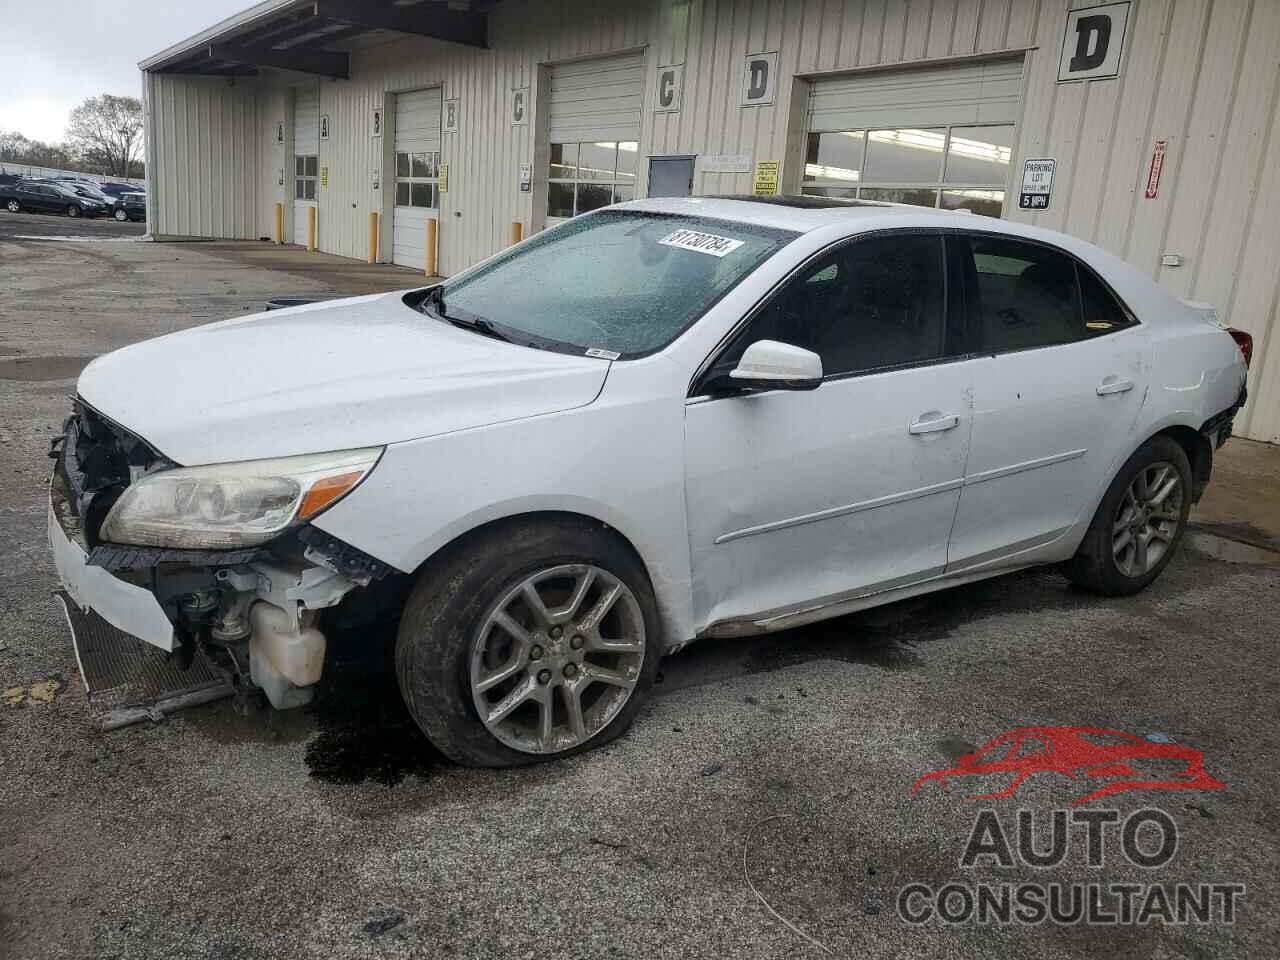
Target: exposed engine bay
[{"x": 257, "y": 609}]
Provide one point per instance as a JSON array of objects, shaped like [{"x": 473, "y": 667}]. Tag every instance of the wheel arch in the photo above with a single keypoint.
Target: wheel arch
[
  {"x": 671, "y": 588},
  {"x": 1199, "y": 454}
]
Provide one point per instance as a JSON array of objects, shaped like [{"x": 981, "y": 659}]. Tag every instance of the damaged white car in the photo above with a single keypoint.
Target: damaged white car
[{"x": 665, "y": 420}]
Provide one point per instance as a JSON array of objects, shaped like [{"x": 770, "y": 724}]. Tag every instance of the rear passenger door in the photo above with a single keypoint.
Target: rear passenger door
[{"x": 1064, "y": 376}]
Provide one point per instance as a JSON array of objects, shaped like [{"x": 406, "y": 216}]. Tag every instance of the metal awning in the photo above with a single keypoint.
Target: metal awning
[{"x": 315, "y": 36}]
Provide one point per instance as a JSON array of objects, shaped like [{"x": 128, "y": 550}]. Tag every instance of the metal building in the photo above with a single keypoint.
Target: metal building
[{"x": 1146, "y": 126}]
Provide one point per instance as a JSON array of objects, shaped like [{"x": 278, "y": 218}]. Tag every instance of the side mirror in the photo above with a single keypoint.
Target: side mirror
[{"x": 770, "y": 365}]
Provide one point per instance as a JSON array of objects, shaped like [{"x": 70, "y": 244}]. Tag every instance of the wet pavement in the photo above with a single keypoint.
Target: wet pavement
[{"x": 760, "y": 807}]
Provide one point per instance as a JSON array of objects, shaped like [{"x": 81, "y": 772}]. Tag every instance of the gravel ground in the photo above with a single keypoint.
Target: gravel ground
[{"x": 337, "y": 832}]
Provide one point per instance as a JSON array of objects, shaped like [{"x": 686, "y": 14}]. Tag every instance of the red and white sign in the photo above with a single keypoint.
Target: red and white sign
[{"x": 1157, "y": 165}]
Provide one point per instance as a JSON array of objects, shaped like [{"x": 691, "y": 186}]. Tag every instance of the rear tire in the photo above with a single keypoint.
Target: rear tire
[
  {"x": 470, "y": 640},
  {"x": 1139, "y": 523},
  {"x": 121, "y": 215},
  {"x": 13, "y": 206}
]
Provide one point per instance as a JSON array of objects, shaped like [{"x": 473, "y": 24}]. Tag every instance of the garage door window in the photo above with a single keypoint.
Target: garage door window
[
  {"x": 954, "y": 167},
  {"x": 305, "y": 170},
  {"x": 588, "y": 176},
  {"x": 417, "y": 179}
]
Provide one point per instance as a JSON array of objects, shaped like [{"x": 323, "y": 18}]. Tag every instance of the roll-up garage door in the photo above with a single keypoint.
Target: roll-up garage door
[
  {"x": 937, "y": 136},
  {"x": 417, "y": 163},
  {"x": 594, "y": 125},
  {"x": 306, "y": 159}
]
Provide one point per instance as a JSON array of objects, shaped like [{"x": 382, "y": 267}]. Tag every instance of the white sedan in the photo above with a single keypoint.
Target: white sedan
[{"x": 665, "y": 420}]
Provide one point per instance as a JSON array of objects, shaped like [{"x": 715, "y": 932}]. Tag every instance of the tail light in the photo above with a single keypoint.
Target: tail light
[{"x": 1244, "y": 341}]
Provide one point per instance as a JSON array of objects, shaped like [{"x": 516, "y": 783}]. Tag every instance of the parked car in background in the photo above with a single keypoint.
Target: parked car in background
[
  {"x": 49, "y": 196},
  {"x": 130, "y": 206},
  {"x": 716, "y": 418},
  {"x": 118, "y": 189},
  {"x": 88, "y": 189}
]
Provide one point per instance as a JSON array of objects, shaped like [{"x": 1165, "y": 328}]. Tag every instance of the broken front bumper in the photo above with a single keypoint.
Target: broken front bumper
[{"x": 127, "y": 607}]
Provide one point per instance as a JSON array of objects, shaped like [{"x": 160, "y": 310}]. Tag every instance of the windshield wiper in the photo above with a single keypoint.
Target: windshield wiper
[
  {"x": 478, "y": 324},
  {"x": 470, "y": 322}
]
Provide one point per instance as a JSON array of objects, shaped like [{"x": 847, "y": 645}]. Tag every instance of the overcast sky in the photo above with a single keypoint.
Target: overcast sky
[{"x": 56, "y": 53}]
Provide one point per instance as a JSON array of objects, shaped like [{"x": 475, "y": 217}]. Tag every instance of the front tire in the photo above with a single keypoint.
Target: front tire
[
  {"x": 529, "y": 642},
  {"x": 121, "y": 216},
  {"x": 1139, "y": 524},
  {"x": 13, "y": 206},
  {"x": 73, "y": 211}
]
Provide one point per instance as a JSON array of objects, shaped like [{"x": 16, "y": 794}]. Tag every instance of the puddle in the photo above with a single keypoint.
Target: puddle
[
  {"x": 364, "y": 730},
  {"x": 37, "y": 369},
  {"x": 1231, "y": 551}
]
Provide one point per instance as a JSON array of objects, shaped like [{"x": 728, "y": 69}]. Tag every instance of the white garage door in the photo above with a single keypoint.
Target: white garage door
[
  {"x": 940, "y": 136},
  {"x": 417, "y": 164},
  {"x": 594, "y": 121},
  {"x": 306, "y": 159}
]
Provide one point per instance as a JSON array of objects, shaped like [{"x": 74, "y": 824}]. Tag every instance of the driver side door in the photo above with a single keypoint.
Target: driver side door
[{"x": 802, "y": 499}]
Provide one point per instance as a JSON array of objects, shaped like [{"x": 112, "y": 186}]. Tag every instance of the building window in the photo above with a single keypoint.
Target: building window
[
  {"x": 417, "y": 179},
  {"x": 305, "y": 171},
  {"x": 588, "y": 176},
  {"x": 956, "y": 167}
]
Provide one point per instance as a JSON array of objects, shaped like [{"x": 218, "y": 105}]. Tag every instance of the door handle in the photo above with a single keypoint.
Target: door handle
[
  {"x": 933, "y": 422},
  {"x": 1114, "y": 384}
]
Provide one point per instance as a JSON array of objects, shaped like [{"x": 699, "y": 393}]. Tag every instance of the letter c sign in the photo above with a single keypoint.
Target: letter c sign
[
  {"x": 1093, "y": 43},
  {"x": 670, "y": 88},
  {"x": 520, "y": 107}
]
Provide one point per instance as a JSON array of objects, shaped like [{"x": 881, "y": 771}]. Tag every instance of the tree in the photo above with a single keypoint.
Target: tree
[{"x": 107, "y": 131}]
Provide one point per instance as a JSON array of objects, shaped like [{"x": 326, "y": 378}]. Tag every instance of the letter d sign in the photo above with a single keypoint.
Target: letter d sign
[
  {"x": 760, "y": 79},
  {"x": 1093, "y": 43}
]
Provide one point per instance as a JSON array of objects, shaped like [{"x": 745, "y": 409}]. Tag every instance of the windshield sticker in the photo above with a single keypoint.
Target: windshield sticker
[
  {"x": 603, "y": 354},
  {"x": 701, "y": 242}
]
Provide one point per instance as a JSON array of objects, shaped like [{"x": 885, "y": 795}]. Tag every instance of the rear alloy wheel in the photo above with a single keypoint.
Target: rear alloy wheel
[
  {"x": 73, "y": 210},
  {"x": 13, "y": 206},
  {"x": 1139, "y": 523},
  {"x": 1147, "y": 520},
  {"x": 121, "y": 214},
  {"x": 529, "y": 641}
]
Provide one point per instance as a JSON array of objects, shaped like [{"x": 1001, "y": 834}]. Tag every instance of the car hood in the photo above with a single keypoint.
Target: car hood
[{"x": 337, "y": 375}]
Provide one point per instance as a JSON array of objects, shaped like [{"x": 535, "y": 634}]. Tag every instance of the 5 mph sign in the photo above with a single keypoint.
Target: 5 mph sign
[{"x": 1037, "y": 184}]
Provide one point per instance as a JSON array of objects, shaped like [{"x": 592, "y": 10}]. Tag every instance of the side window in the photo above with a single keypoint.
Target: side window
[
  {"x": 1102, "y": 313},
  {"x": 1026, "y": 295},
  {"x": 869, "y": 305}
]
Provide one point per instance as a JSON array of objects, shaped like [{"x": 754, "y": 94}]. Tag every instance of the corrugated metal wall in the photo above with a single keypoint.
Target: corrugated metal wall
[
  {"x": 203, "y": 142},
  {"x": 1200, "y": 73}
]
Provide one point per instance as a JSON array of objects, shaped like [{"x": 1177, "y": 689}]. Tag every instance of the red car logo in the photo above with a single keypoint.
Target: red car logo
[{"x": 1076, "y": 753}]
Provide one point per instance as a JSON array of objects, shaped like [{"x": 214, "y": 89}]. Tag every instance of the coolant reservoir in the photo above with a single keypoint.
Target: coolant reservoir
[{"x": 294, "y": 652}]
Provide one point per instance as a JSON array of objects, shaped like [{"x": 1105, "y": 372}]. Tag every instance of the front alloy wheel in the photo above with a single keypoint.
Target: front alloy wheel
[
  {"x": 529, "y": 640},
  {"x": 1148, "y": 519},
  {"x": 121, "y": 215},
  {"x": 13, "y": 206},
  {"x": 556, "y": 658},
  {"x": 73, "y": 211}
]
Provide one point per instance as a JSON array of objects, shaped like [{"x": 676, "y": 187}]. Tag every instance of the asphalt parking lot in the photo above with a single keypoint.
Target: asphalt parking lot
[{"x": 761, "y": 806}]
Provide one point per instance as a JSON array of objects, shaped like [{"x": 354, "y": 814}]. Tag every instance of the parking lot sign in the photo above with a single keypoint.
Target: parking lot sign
[{"x": 1037, "y": 184}]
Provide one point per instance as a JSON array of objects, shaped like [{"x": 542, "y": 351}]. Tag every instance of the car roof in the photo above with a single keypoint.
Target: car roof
[{"x": 848, "y": 218}]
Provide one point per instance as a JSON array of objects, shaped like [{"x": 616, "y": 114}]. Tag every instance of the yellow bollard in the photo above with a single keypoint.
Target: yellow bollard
[
  {"x": 373, "y": 237},
  {"x": 279, "y": 223},
  {"x": 517, "y": 232},
  {"x": 432, "y": 235},
  {"x": 311, "y": 229}
]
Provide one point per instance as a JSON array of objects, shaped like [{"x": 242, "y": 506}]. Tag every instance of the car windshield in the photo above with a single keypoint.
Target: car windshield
[{"x": 623, "y": 281}]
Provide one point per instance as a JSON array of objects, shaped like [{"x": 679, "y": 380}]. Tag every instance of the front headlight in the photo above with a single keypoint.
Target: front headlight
[{"x": 233, "y": 504}]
